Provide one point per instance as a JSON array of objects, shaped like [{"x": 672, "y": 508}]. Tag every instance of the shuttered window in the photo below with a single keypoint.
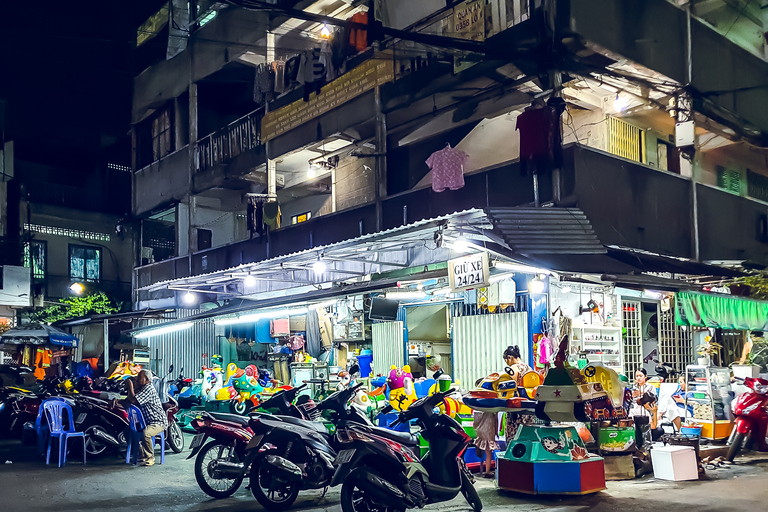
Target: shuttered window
[
  {"x": 729, "y": 179},
  {"x": 626, "y": 140}
]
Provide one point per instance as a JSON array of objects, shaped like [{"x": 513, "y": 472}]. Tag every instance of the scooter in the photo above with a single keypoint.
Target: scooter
[
  {"x": 289, "y": 455},
  {"x": 751, "y": 411},
  {"x": 220, "y": 464},
  {"x": 384, "y": 475}
]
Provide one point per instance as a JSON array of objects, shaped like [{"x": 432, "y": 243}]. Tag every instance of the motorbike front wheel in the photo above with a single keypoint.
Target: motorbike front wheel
[
  {"x": 175, "y": 437},
  {"x": 355, "y": 499},
  {"x": 735, "y": 446},
  {"x": 271, "y": 493},
  {"x": 470, "y": 493},
  {"x": 205, "y": 465}
]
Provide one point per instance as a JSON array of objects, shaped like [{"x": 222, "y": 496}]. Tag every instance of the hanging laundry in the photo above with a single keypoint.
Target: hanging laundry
[
  {"x": 255, "y": 214},
  {"x": 447, "y": 167},
  {"x": 312, "y": 71},
  {"x": 263, "y": 84},
  {"x": 272, "y": 214},
  {"x": 358, "y": 38},
  {"x": 42, "y": 361},
  {"x": 26, "y": 358},
  {"x": 540, "y": 136},
  {"x": 278, "y": 67},
  {"x": 340, "y": 50},
  {"x": 291, "y": 71}
]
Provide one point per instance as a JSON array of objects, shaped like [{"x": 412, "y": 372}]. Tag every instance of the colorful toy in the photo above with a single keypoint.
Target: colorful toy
[
  {"x": 401, "y": 390},
  {"x": 213, "y": 381},
  {"x": 125, "y": 369},
  {"x": 549, "y": 460},
  {"x": 507, "y": 392},
  {"x": 248, "y": 389}
]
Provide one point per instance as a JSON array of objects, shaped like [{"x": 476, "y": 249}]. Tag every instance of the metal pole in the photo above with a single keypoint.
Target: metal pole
[
  {"x": 694, "y": 192},
  {"x": 380, "y": 171},
  {"x": 106, "y": 345}
]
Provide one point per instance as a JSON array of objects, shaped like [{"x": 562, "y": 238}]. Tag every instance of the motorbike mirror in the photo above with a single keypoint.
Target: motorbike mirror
[
  {"x": 170, "y": 369},
  {"x": 387, "y": 409}
]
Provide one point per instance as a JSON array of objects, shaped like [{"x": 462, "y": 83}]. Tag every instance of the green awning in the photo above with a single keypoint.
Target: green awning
[{"x": 707, "y": 310}]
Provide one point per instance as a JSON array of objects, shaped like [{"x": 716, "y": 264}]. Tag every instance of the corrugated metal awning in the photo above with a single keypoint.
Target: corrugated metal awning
[{"x": 531, "y": 231}]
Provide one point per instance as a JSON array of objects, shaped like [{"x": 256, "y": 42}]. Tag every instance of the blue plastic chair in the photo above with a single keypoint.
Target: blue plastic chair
[
  {"x": 41, "y": 428},
  {"x": 54, "y": 415},
  {"x": 137, "y": 424}
]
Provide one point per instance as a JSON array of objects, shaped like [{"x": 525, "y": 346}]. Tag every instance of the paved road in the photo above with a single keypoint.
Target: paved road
[{"x": 28, "y": 485}]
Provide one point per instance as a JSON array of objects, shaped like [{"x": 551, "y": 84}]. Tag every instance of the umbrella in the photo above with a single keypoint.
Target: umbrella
[{"x": 37, "y": 334}]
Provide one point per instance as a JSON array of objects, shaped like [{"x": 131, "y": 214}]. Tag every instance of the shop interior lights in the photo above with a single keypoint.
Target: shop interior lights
[
  {"x": 325, "y": 32},
  {"x": 405, "y": 295},
  {"x": 190, "y": 298},
  {"x": 518, "y": 267},
  {"x": 163, "y": 330},
  {"x": 319, "y": 267},
  {"x": 461, "y": 245},
  {"x": 536, "y": 285},
  {"x": 265, "y": 315},
  {"x": 249, "y": 280}
]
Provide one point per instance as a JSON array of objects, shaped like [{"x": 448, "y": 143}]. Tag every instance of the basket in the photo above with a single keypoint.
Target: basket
[{"x": 690, "y": 431}]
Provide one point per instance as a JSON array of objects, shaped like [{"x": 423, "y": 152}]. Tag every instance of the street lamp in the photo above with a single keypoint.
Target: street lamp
[{"x": 77, "y": 288}]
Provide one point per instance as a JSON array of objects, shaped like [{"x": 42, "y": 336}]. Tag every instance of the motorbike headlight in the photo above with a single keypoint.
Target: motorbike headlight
[
  {"x": 761, "y": 388},
  {"x": 2, "y": 406}
]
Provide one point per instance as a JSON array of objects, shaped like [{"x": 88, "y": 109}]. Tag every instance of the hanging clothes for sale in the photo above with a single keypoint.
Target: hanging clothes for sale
[
  {"x": 26, "y": 358},
  {"x": 447, "y": 166},
  {"x": 340, "y": 50},
  {"x": 42, "y": 362},
  {"x": 358, "y": 38}
]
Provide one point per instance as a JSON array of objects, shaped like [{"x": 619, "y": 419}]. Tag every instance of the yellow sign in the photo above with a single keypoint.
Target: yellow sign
[
  {"x": 345, "y": 88},
  {"x": 469, "y": 20}
]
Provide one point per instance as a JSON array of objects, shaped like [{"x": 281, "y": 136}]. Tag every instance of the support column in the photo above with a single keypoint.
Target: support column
[
  {"x": 695, "y": 249},
  {"x": 271, "y": 174},
  {"x": 380, "y": 171}
]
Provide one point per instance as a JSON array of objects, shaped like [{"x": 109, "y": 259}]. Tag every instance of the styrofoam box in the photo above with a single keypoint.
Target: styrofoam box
[{"x": 674, "y": 463}]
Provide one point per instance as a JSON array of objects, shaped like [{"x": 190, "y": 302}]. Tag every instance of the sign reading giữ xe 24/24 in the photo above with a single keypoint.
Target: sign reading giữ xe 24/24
[
  {"x": 348, "y": 86},
  {"x": 469, "y": 272}
]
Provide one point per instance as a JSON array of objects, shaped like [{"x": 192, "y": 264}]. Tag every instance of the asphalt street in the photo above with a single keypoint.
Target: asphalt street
[{"x": 27, "y": 485}]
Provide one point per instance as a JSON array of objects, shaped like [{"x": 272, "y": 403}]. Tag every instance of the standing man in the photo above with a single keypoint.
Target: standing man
[{"x": 147, "y": 399}]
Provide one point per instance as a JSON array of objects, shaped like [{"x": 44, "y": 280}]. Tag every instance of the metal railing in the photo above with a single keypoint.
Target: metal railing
[{"x": 234, "y": 139}]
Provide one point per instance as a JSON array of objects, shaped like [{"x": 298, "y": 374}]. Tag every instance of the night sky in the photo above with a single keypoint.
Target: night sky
[{"x": 66, "y": 73}]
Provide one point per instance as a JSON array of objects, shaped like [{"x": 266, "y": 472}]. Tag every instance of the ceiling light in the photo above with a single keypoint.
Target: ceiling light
[
  {"x": 163, "y": 330},
  {"x": 461, "y": 245},
  {"x": 311, "y": 172},
  {"x": 77, "y": 288},
  {"x": 567, "y": 289},
  {"x": 319, "y": 267},
  {"x": 442, "y": 291},
  {"x": 253, "y": 317},
  {"x": 323, "y": 305},
  {"x": 652, "y": 295},
  {"x": 620, "y": 103},
  {"x": 250, "y": 280},
  {"x": 536, "y": 285},
  {"x": 517, "y": 267},
  {"x": 405, "y": 295},
  {"x": 325, "y": 32},
  {"x": 500, "y": 277},
  {"x": 190, "y": 298}
]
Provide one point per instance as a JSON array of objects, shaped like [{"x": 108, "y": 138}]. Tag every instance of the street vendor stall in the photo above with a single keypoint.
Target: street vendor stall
[{"x": 44, "y": 348}]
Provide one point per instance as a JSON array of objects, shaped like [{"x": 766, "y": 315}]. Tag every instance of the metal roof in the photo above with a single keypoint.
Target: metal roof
[
  {"x": 531, "y": 231},
  {"x": 405, "y": 246}
]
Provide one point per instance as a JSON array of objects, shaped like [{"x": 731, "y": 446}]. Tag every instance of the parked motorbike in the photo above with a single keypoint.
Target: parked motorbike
[
  {"x": 178, "y": 386},
  {"x": 384, "y": 475},
  {"x": 751, "y": 411},
  {"x": 19, "y": 406},
  {"x": 297, "y": 455},
  {"x": 220, "y": 464}
]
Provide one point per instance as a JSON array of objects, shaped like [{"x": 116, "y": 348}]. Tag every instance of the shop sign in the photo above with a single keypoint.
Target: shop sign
[
  {"x": 345, "y": 88},
  {"x": 468, "y": 22},
  {"x": 469, "y": 272}
]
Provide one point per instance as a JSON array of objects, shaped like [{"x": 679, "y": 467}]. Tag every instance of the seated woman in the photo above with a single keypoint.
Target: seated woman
[{"x": 670, "y": 409}]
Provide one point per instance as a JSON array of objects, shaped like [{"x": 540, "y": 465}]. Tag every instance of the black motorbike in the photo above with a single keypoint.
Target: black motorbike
[
  {"x": 382, "y": 475},
  {"x": 291, "y": 455}
]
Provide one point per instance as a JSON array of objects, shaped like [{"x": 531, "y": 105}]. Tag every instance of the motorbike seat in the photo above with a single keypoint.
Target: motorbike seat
[
  {"x": 230, "y": 418},
  {"x": 312, "y": 425},
  {"x": 405, "y": 438}
]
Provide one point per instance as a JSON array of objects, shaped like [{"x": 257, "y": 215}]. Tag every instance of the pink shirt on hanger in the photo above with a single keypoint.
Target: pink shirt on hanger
[{"x": 447, "y": 167}]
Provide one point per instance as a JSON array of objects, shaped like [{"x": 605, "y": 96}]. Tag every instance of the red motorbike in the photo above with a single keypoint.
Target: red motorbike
[{"x": 751, "y": 410}]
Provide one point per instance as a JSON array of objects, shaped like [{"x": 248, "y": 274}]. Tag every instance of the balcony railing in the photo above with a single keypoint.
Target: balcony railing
[{"x": 223, "y": 145}]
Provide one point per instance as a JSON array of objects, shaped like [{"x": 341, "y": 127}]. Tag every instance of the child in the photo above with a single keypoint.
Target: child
[{"x": 486, "y": 426}]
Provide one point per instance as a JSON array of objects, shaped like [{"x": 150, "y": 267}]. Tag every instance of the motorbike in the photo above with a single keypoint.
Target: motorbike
[
  {"x": 296, "y": 455},
  {"x": 173, "y": 435},
  {"x": 19, "y": 406},
  {"x": 220, "y": 464},
  {"x": 751, "y": 411},
  {"x": 179, "y": 385},
  {"x": 380, "y": 474}
]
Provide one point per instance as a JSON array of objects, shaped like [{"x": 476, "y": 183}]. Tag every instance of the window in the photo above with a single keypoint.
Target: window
[
  {"x": 161, "y": 134},
  {"x": 626, "y": 140},
  {"x": 36, "y": 258},
  {"x": 757, "y": 185},
  {"x": 298, "y": 219},
  {"x": 84, "y": 263},
  {"x": 728, "y": 179}
]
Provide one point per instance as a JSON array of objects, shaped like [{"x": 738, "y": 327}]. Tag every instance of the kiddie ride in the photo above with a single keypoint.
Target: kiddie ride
[{"x": 551, "y": 458}]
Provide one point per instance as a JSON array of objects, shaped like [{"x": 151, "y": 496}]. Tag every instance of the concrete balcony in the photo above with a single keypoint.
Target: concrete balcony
[{"x": 628, "y": 204}]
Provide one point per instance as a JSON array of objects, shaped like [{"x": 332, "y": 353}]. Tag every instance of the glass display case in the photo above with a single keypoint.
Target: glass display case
[
  {"x": 599, "y": 344},
  {"x": 708, "y": 399}
]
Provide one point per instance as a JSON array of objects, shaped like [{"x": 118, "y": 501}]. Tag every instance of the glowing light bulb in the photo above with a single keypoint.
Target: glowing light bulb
[
  {"x": 77, "y": 288},
  {"x": 190, "y": 298},
  {"x": 620, "y": 103},
  {"x": 319, "y": 267},
  {"x": 325, "y": 32},
  {"x": 250, "y": 280},
  {"x": 311, "y": 173}
]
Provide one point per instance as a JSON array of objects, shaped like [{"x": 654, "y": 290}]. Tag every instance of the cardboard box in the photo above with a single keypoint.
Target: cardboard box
[
  {"x": 675, "y": 463},
  {"x": 619, "y": 467},
  {"x": 617, "y": 439},
  {"x": 298, "y": 322}
]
